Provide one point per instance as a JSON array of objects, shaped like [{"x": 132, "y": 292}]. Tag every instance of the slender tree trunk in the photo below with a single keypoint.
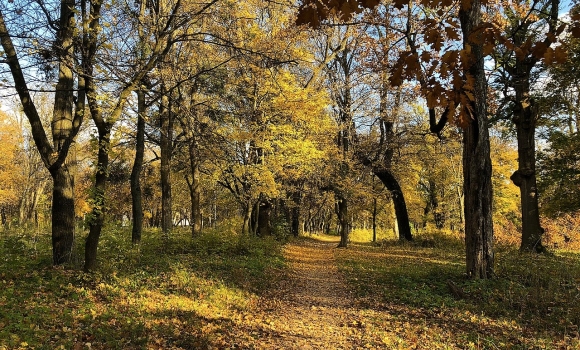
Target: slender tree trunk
[
  {"x": 476, "y": 157},
  {"x": 98, "y": 213},
  {"x": 264, "y": 223},
  {"x": 247, "y": 218},
  {"x": 166, "y": 153},
  {"x": 295, "y": 213},
  {"x": 577, "y": 113},
  {"x": 31, "y": 213},
  {"x": 399, "y": 203},
  {"x": 63, "y": 214},
  {"x": 22, "y": 207},
  {"x": 194, "y": 189},
  {"x": 342, "y": 214},
  {"x": 254, "y": 218},
  {"x": 136, "y": 194},
  {"x": 374, "y": 219},
  {"x": 194, "y": 195},
  {"x": 383, "y": 171}
]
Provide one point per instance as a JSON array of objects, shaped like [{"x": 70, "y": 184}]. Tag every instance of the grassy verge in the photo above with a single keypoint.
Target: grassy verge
[
  {"x": 533, "y": 303},
  {"x": 175, "y": 293}
]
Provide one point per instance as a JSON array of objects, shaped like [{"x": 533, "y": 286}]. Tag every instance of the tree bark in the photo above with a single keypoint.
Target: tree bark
[
  {"x": 63, "y": 214},
  {"x": 136, "y": 194},
  {"x": 194, "y": 189},
  {"x": 384, "y": 170},
  {"x": 64, "y": 125},
  {"x": 195, "y": 195},
  {"x": 264, "y": 222},
  {"x": 374, "y": 219},
  {"x": 295, "y": 213},
  {"x": 525, "y": 116},
  {"x": 247, "y": 218},
  {"x": 98, "y": 213},
  {"x": 477, "y": 184},
  {"x": 166, "y": 126},
  {"x": 399, "y": 203},
  {"x": 342, "y": 213}
]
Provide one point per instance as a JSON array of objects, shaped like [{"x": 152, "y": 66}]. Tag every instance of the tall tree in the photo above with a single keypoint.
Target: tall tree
[
  {"x": 68, "y": 109},
  {"x": 464, "y": 69},
  {"x": 136, "y": 192},
  {"x": 166, "y": 20},
  {"x": 476, "y": 150},
  {"x": 341, "y": 75},
  {"x": 166, "y": 121},
  {"x": 531, "y": 30}
]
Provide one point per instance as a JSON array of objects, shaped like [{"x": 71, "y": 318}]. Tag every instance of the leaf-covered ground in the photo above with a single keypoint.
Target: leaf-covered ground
[
  {"x": 532, "y": 303},
  {"x": 221, "y": 291}
]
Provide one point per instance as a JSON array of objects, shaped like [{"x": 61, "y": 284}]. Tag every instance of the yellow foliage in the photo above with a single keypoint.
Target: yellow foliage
[{"x": 10, "y": 175}]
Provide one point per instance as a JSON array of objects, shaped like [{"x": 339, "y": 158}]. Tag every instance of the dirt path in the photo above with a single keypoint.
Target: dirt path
[{"x": 312, "y": 308}]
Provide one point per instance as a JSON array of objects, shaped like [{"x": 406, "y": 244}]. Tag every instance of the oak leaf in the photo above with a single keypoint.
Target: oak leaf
[
  {"x": 575, "y": 31},
  {"x": 539, "y": 49},
  {"x": 452, "y": 33},
  {"x": 308, "y": 15},
  {"x": 560, "y": 54}
]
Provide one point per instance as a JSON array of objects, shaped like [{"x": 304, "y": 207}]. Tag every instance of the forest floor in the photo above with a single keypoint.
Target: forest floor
[
  {"x": 312, "y": 306},
  {"x": 398, "y": 297},
  {"x": 221, "y": 290}
]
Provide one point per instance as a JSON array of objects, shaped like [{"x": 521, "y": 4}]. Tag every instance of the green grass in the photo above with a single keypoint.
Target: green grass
[
  {"x": 190, "y": 293},
  {"x": 532, "y": 303},
  {"x": 178, "y": 292}
]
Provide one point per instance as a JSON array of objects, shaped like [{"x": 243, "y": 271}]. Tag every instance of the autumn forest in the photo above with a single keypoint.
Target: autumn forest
[{"x": 279, "y": 174}]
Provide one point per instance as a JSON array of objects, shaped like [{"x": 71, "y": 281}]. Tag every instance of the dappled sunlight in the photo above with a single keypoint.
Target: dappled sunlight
[
  {"x": 222, "y": 293},
  {"x": 415, "y": 258},
  {"x": 491, "y": 314}
]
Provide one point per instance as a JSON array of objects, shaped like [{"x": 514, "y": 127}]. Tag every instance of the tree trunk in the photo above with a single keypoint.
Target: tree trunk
[
  {"x": 399, "y": 203},
  {"x": 525, "y": 117},
  {"x": 98, "y": 213},
  {"x": 64, "y": 125},
  {"x": 476, "y": 157},
  {"x": 374, "y": 219},
  {"x": 136, "y": 194},
  {"x": 525, "y": 176},
  {"x": 33, "y": 210},
  {"x": 342, "y": 214},
  {"x": 295, "y": 213},
  {"x": 23, "y": 207},
  {"x": 264, "y": 222},
  {"x": 247, "y": 218},
  {"x": 63, "y": 215},
  {"x": 461, "y": 203},
  {"x": 166, "y": 153},
  {"x": 29, "y": 202},
  {"x": 194, "y": 189},
  {"x": 254, "y": 219}
]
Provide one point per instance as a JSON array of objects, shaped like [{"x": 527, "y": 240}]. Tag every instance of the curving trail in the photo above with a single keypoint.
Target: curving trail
[{"x": 312, "y": 308}]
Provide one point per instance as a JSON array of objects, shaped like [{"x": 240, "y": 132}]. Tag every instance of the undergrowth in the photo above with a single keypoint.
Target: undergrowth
[
  {"x": 533, "y": 302},
  {"x": 176, "y": 292}
]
